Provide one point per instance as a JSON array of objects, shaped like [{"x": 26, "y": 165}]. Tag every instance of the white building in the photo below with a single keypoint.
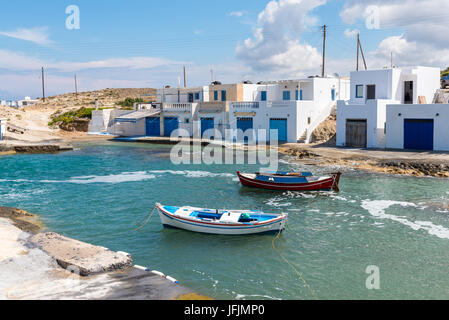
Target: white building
[
  {"x": 26, "y": 102},
  {"x": 2, "y": 128},
  {"x": 294, "y": 108},
  {"x": 418, "y": 127},
  {"x": 361, "y": 121}
]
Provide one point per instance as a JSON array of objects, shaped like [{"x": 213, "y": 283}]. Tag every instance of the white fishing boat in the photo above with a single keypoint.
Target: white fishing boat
[{"x": 228, "y": 222}]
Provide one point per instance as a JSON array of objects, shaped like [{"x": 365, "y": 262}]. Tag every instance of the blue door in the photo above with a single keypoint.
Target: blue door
[
  {"x": 206, "y": 124},
  {"x": 245, "y": 124},
  {"x": 333, "y": 94},
  {"x": 281, "y": 126},
  {"x": 153, "y": 127},
  {"x": 418, "y": 134},
  {"x": 170, "y": 124}
]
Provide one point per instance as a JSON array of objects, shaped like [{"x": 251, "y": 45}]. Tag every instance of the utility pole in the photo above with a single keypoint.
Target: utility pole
[
  {"x": 96, "y": 100},
  {"x": 43, "y": 85},
  {"x": 185, "y": 82},
  {"x": 360, "y": 50},
  {"x": 391, "y": 59},
  {"x": 324, "y": 50},
  {"x": 358, "y": 53},
  {"x": 211, "y": 75},
  {"x": 76, "y": 88}
]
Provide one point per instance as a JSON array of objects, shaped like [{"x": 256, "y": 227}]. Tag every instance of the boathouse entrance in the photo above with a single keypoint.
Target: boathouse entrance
[
  {"x": 356, "y": 133},
  {"x": 418, "y": 134}
]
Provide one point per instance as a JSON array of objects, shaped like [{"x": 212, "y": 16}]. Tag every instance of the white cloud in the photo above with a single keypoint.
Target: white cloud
[
  {"x": 18, "y": 61},
  {"x": 351, "y": 33},
  {"x": 37, "y": 35},
  {"x": 237, "y": 13},
  {"x": 424, "y": 32},
  {"x": 275, "y": 47}
]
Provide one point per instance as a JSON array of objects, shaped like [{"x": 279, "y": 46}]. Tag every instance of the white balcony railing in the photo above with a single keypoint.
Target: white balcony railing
[
  {"x": 245, "y": 105},
  {"x": 177, "y": 106},
  {"x": 280, "y": 104}
]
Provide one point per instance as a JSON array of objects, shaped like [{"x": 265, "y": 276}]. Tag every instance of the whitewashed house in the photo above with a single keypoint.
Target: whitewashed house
[
  {"x": 361, "y": 121},
  {"x": 2, "y": 128},
  {"x": 26, "y": 102},
  {"x": 418, "y": 127},
  {"x": 294, "y": 108}
]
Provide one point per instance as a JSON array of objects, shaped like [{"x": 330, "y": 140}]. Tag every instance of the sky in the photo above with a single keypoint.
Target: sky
[{"x": 146, "y": 43}]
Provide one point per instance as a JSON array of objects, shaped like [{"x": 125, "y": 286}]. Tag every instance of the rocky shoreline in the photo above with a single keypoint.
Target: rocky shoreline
[
  {"x": 19, "y": 147},
  {"x": 36, "y": 265},
  {"x": 381, "y": 161}
]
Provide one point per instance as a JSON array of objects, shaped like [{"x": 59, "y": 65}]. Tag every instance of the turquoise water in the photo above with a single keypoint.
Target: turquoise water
[{"x": 100, "y": 192}]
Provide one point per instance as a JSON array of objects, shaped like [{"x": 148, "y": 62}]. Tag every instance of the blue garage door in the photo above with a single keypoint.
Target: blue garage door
[
  {"x": 206, "y": 124},
  {"x": 418, "y": 134},
  {"x": 170, "y": 125},
  {"x": 244, "y": 124},
  {"x": 281, "y": 126},
  {"x": 153, "y": 127}
]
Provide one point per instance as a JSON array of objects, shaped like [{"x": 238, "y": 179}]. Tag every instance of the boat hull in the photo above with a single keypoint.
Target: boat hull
[
  {"x": 172, "y": 221},
  {"x": 325, "y": 184}
]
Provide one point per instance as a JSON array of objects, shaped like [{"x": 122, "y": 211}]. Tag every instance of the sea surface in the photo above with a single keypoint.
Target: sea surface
[{"x": 100, "y": 192}]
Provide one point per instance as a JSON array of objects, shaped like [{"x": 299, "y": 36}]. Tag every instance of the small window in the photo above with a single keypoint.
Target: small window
[
  {"x": 223, "y": 95},
  {"x": 359, "y": 91},
  {"x": 263, "y": 96},
  {"x": 371, "y": 92},
  {"x": 197, "y": 96},
  {"x": 216, "y": 95},
  {"x": 186, "y": 120},
  {"x": 286, "y": 95}
]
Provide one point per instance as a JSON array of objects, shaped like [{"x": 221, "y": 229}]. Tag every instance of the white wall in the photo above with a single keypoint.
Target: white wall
[
  {"x": 170, "y": 95},
  {"x": 383, "y": 79},
  {"x": 395, "y": 123},
  {"x": 374, "y": 112},
  {"x": 130, "y": 129},
  {"x": 3, "y": 128}
]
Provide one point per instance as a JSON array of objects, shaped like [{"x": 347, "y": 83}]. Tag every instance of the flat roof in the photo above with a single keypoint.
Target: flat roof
[{"x": 137, "y": 115}]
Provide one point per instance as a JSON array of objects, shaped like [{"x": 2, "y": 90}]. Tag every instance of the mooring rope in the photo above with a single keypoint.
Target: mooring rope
[
  {"x": 148, "y": 218},
  {"x": 292, "y": 266}
]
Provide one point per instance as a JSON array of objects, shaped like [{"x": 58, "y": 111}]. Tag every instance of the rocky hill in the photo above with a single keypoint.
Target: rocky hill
[{"x": 32, "y": 121}]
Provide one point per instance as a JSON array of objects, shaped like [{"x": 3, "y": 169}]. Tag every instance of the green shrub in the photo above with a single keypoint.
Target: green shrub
[
  {"x": 70, "y": 116},
  {"x": 445, "y": 73},
  {"x": 129, "y": 102}
]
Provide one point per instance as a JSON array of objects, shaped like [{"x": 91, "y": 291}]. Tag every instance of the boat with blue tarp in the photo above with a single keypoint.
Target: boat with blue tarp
[
  {"x": 290, "y": 181},
  {"x": 226, "y": 222}
]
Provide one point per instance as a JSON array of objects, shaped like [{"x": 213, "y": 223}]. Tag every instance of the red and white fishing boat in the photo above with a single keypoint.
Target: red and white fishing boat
[{"x": 290, "y": 181}]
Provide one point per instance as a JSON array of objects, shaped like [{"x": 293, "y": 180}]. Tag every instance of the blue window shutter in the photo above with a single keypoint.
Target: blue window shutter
[
  {"x": 215, "y": 95},
  {"x": 223, "y": 95},
  {"x": 297, "y": 95},
  {"x": 301, "y": 97},
  {"x": 263, "y": 96},
  {"x": 286, "y": 95}
]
